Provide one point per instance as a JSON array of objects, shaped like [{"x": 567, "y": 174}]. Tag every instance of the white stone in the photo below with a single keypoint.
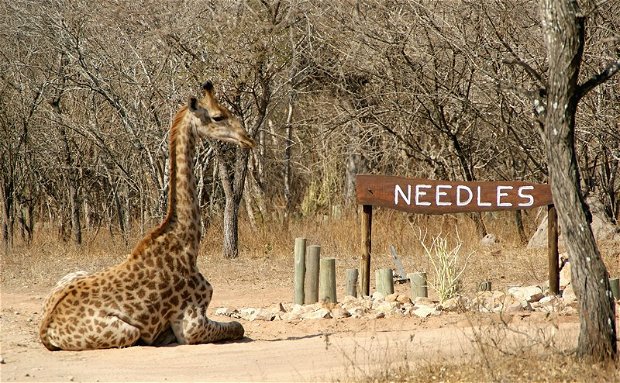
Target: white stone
[
  {"x": 424, "y": 311},
  {"x": 223, "y": 311},
  {"x": 356, "y": 312},
  {"x": 377, "y": 296},
  {"x": 454, "y": 304},
  {"x": 391, "y": 297},
  {"x": 568, "y": 295},
  {"x": 488, "y": 240},
  {"x": 565, "y": 275},
  {"x": 318, "y": 314},
  {"x": 339, "y": 313},
  {"x": 528, "y": 293}
]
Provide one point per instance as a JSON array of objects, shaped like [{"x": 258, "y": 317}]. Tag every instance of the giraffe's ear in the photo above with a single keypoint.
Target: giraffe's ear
[{"x": 208, "y": 86}]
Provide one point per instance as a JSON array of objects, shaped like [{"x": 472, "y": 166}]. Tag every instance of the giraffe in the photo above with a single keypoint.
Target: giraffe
[{"x": 156, "y": 296}]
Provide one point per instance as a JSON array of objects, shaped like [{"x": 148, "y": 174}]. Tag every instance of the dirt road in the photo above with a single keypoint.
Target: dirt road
[{"x": 312, "y": 350}]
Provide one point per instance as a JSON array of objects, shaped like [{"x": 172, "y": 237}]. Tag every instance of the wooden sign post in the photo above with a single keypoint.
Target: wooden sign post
[{"x": 440, "y": 197}]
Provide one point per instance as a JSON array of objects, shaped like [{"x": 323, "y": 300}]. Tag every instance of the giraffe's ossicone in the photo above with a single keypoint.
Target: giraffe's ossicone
[{"x": 157, "y": 295}]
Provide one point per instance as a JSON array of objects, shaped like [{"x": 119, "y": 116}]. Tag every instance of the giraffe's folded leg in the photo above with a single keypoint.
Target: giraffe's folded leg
[
  {"x": 196, "y": 328},
  {"x": 88, "y": 333}
]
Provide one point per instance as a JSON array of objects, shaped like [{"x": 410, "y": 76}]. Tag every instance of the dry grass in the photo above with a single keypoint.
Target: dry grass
[
  {"x": 523, "y": 367},
  {"x": 501, "y": 353},
  {"x": 509, "y": 263}
]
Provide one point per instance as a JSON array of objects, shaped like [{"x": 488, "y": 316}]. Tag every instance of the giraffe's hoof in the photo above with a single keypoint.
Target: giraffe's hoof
[{"x": 237, "y": 330}]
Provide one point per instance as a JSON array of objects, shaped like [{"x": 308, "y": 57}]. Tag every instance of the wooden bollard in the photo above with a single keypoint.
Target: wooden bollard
[
  {"x": 485, "y": 286},
  {"x": 418, "y": 284},
  {"x": 300, "y": 270},
  {"x": 385, "y": 281},
  {"x": 327, "y": 283},
  {"x": 311, "y": 288},
  {"x": 352, "y": 275}
]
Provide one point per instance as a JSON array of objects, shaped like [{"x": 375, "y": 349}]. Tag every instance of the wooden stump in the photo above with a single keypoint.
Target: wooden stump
[
  {"x": 419, "y": 287},
  {"x": 327, "y": 283},
  {"x": 311, "y": 288},
  {"x": 385, "y": 281},
  {"x": 300, "y": 270},
  {"x": 351, "y": 289},
  {"x": 485, "y": 286}
]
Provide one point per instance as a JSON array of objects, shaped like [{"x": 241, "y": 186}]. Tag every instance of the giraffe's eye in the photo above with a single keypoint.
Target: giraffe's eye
[{"x": 218, "y": 118}]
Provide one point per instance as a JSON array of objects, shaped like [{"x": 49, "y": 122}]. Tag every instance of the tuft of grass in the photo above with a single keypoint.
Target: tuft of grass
[{"x": 446, "y": 266}]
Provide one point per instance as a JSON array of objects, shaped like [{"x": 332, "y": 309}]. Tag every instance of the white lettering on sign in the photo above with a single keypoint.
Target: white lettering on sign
[
  {"x": 399, "y": 191},
  {"x": 463, "y": 195},
  {"x": 440, "y": 194},
  {"x": 419, "y": 193},
  {"x": 480, "y": 203},
  {"x": 529, "y": 197},
  {"x": 459, "y": 201},
  {"x": 501, "y": 194}
]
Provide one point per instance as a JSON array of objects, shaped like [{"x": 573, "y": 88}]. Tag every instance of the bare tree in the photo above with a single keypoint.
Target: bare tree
[{"x": 564, "y": 29}]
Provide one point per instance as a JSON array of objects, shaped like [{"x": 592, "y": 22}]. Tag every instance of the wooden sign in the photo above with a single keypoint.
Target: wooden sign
[{"x": 440, "y": 197}]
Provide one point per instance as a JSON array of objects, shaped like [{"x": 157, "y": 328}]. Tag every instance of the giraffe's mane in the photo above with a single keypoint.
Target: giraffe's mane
[{"x": 159, "y": 230}]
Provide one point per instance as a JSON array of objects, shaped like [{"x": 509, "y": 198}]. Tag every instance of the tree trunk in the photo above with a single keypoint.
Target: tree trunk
[
  {"x": 74, "y": 203},
  {"x": 233, "y": 190},
  {"x": 231, "y": 229},
  {"x": 520, "y": 227},
  {"x": 564, "y": 37},
  {"x": 7, "y": 213},
  {"x": 288, "y": 144}
]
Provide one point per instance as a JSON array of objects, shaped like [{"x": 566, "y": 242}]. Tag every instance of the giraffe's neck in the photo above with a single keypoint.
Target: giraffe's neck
[{"x": 183, "y": 216}]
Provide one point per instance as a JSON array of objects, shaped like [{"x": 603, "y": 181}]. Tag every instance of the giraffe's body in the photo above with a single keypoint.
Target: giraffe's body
[{"x": 157, "y": 295}]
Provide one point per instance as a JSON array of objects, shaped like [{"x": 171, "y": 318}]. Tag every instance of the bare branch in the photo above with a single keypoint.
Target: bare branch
[{"x": 598, "y": 79}]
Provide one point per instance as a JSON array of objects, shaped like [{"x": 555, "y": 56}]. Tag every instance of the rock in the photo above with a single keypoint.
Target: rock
[
  {"x": 539, "y": 239},
  {"x": 529, "y": 293},
  {"x": 424, "y": 311},
  {"x": 339, "y": 313},
  {"x": 407, "y": 309},
  {"x": 386, "y": 307},
  {"x": 252, "y": 314},
  {"x": 488, "y": 240},
  {"x": 377, "y": 296},
  {"x": 488, "y": 301},
  {"x": 356, "y": 312},
  {"x": 262, "y": 314},
  {"x": 224, "y": 311},
  {"x": 379, "y": 315},
  {"x": 304, "y": 309},
  {"x": 602, "y": 227},
  {"x": 403, "y": 299},
  {"x": 550, "y": 304},
  {"x": 454, "y": 304},
  {"x": 391, "y": 297},
  {"x": 2, "y": 360},
  {"x": 568, "y": 295},
  {"x": 321, "y": 313}
]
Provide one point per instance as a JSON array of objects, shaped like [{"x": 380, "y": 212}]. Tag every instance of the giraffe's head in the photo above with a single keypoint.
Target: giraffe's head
[{"x": 212, "y": 120}]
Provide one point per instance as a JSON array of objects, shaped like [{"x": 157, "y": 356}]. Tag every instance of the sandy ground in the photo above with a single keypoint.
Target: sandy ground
[{"x": 305, "y": 351}]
